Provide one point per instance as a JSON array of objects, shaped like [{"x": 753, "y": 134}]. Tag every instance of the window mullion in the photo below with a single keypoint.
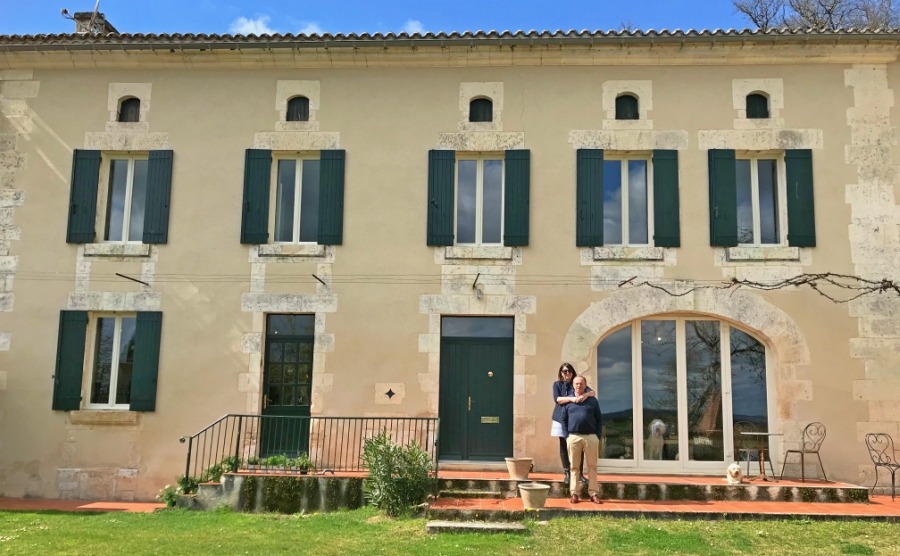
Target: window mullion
[
  {"x": 754, "y": 196},
  {"x": 681, "y": 387},
  {"x": 298, "y": 190},
  {"x": 126, "y": 210},
  {"x": 637, "y": 378},
  {"x": 114, "y": 361},
  {"x": 623, "y": 188},
  {"x": 727, "y": 405}
]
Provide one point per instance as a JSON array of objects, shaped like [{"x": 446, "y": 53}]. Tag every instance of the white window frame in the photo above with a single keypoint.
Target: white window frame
[
  {"x": 623, "y": 159},
  {"x": 103, "y": 214},
  {"x": 300, "y": 159},
  {"x": 686, "y": 465},
  {"x": 781, "y": 175},
  {"x": 92, "y": 331},
  {"x": 479, "y": 196}
]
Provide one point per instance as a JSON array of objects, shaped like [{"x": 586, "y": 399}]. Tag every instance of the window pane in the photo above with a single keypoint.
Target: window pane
[
  {"x": 614, "y": 388},
  {"x": 637, "y": 201},
  {"x": 465, "y": 201},
  {"x": 744, "y": 202},
  {"x": 115, "y": 205},
  {"x": 492, "y": 209},
  {"x": 477, "y": 327},
  {"x": 704, "y": 390},
  {"x": 284, "y": 200},
  {"x": 660, "y": 390},
  {"x": 138, "y": 200},
  {"x": 612, "y": 202},
  {"x": 768, "y": 201},
  {"x": 103, "y": 356},
  {"x": 126, "y": 361},
  {"x": 309, "y": 201},
  {"x": 748, "y": 387},
  {"x": 289, "y": 325}
]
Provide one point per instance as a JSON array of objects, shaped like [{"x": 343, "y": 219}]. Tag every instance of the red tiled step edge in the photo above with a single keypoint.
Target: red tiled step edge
[
  {"x": 880, "y": 507},
  {"x": 39, "y": 504}
]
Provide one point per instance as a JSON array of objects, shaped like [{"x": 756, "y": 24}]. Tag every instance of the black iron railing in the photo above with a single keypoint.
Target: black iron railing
[{"x": 331, "y": 443}]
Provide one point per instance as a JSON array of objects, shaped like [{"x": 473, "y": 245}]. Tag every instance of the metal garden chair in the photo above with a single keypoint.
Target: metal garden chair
[
  {"x": 881, "y": 450},
  {"x": 747, "y": 447},
  {"x": 810, "y": 442}
]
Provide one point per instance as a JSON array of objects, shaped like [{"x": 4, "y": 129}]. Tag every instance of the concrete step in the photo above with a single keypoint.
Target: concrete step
[{"x": 473, "y": 527}]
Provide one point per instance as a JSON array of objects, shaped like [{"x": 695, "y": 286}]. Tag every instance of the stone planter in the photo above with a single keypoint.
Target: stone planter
[
  {"x": 534, "y": 495},
  {"x": 519, "y": 468}
]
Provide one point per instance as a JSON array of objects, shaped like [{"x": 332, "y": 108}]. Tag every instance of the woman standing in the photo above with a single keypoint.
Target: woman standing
[{"x": 563, "y": 393}]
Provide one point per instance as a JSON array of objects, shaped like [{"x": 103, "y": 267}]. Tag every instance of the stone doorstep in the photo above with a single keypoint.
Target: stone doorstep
[{"x": 473, "y": 527}]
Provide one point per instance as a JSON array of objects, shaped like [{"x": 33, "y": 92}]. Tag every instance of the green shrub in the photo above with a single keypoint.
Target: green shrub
[
  {"x": 169, "y": 495},
  {"x": 399, "y": 478}
]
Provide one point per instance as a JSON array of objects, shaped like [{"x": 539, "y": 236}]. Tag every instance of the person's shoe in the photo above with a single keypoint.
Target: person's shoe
[
  {"x": 595, "y": 498},
  {"x": 574, "y": 499},
  {"x": 584, "y": 480},
  {"x": 567, "y": 477}
]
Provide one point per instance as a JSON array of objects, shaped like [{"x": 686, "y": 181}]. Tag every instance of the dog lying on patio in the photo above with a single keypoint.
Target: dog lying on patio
[
  {"x": 734, "y": 475},
  {"x": 656, "y": 440}
]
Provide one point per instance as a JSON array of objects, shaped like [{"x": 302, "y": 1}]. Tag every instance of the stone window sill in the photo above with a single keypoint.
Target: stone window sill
[
  {"x": 762, "y": 253},
  {"x": 111, "y": 417},
  {"x": 625, "y": 253},
  {"x": 497, "y": 252},
  {"x": 117, "y": 250},
  {"x": 291, "y": 250}
]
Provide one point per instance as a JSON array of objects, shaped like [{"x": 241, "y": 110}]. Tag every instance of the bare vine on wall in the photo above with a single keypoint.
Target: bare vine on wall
[{"x": 838, "y": 288}]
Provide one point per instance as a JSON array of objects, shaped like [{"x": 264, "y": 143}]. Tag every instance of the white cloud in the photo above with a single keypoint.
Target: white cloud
[
  {"x": 258, "y": 26},
  {"x": 413, "y": 26},
  {"x": 311, "y": 28}
]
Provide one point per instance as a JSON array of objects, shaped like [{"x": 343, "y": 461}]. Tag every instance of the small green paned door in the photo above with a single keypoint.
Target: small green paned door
[
  {"x": 476, "y": 396},
  {"x": 287, "y": 382}
]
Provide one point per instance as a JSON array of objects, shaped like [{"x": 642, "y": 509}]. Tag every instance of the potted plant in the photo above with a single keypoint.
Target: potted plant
[
  {"x": 303, "y": 463},
  {"x": 534, "y": 495},
  {"x": 519, "y": 468}
]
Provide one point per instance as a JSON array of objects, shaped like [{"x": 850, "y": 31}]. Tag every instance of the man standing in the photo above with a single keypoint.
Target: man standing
[{"x": 582, "y": 424}]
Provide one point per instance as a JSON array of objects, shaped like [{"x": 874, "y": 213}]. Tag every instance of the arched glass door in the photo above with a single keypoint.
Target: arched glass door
[{"x": 672, "y": 389}]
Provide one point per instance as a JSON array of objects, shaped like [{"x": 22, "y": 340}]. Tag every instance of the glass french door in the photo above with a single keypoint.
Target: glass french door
[{"x": 666, "y": 388}]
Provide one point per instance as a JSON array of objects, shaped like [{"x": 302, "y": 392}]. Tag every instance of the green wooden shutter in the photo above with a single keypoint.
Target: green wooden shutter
[
  {"x": 666, "y": 218},
  {"x": 69, "y": 360},
  {"x": 255, "y": 217},
  {"x": 441, "y": 176},
  {"x": 148, "y": 327},
  {"x": 159, "y": 187},
  {"x": 83, "y": 196},
  {"x": 331, "y": 197},
  {"x": 800, "y": 199},
  {"x": 722, "y": 198},
  {"x": 516, "y": 186},
  {"x": 589, "y": 198}
]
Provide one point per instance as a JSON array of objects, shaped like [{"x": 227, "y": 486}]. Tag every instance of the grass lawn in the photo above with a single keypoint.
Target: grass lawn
[{"x": 174, "y": 532}]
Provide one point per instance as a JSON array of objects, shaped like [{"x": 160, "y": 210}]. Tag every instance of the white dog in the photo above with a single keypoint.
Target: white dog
[
  {"x": 656, "y": 440},
  {"x": 734, "y": 475}
]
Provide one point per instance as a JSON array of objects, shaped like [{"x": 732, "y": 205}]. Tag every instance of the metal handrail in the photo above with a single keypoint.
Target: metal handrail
[{"x": 332, "y": 443}]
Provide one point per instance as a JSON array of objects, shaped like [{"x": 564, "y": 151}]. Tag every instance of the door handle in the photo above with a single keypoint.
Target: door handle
[
  {"x": 265, "y": 401},
  {"x": 470, "y": 403}
]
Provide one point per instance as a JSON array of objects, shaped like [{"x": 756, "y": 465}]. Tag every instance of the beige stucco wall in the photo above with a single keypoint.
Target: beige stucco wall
[{"x": 830, "y": 362}]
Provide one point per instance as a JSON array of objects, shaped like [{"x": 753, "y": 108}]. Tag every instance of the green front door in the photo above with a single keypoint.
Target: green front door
[
  {"x": 287, "y": 379},
  {"x": 476, "y": 408}
]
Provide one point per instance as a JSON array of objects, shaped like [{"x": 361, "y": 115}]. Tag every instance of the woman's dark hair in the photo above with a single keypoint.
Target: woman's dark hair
[{"x": 565, "y": 367}]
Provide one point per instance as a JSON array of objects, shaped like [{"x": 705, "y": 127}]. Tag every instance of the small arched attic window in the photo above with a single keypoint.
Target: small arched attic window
[
  {"x": 757, "y": 106},
  {"x": 626, "y": 107},
  {"x": 481, "y": 110},
  {"x": 298, "y": 109},
  {"x": 130, "y": 110}
]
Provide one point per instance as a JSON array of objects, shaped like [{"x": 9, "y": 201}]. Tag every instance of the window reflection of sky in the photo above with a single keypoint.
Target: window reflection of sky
[
  {"x": 492, "y": 210},
  {"x": 477, "y": 327},
  {"x": 637, "y": 202},
  {"x": 612, "y": 201},
  {"x": 465, "y": 201},
  {"x": 614, "y": 372}
]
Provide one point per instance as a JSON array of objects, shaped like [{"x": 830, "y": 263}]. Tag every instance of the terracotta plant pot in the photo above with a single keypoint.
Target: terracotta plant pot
[
  {"x": 519, "y": 468},
  {"x": 534, "y": 495}
]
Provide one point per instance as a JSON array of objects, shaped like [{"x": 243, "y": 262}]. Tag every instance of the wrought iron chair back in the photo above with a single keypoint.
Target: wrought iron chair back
[
  {"x": 881, "y": 450},
  {"x": 811, "y": 440},
  {"x": 813, "y": 436}
]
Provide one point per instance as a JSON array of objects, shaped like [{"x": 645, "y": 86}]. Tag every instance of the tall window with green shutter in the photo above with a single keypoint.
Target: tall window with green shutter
[
  {"x": 627, "y": 210},
  {"x": 479, "y": 201},
  {"x": 293, "y": 199},
  {"x": 131, "y": 192}
]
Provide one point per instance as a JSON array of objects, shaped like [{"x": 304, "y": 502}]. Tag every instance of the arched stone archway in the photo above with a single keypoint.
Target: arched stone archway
[{"x": 771, "y": 325}]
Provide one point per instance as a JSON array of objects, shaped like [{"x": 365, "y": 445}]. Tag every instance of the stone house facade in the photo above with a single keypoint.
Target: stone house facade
[{"x": 438, "y": 222}]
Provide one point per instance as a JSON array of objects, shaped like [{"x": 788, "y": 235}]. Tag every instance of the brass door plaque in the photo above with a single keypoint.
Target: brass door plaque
[{"x": 490, "y": 420}]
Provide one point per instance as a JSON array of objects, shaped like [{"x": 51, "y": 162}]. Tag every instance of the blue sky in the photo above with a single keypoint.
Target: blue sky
[{"x": 357, "y": 16}]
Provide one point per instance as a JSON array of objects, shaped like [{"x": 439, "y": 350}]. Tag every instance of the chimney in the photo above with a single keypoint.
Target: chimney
[{"x": 94, "y": 23}]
